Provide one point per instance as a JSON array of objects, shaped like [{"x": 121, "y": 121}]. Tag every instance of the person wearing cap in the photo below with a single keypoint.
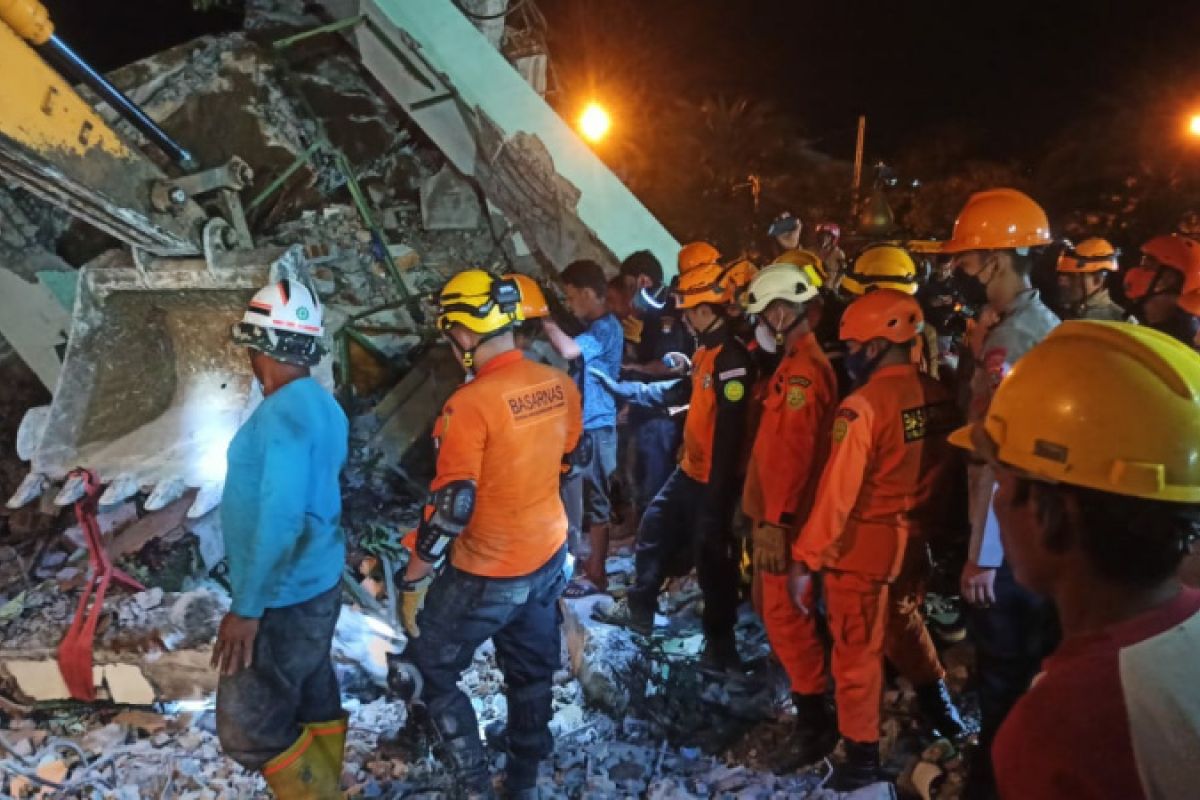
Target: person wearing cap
[
  {"x": 785, "y": 231},
  {"x": 797, "y": 403},
  {"x": 490, "y": 545},
  {"x": 656, "y": 433},
  {"x": 1014, "y": 628},
  {"x": 879, "y": 498},
  {"x": 1170, "y": 268},
  {"x": 279, "y": 708},
  {"x": 689, "y": 521},
  {"x": 1095, "y": 440},
  {"x": 1083, "y": 272}
]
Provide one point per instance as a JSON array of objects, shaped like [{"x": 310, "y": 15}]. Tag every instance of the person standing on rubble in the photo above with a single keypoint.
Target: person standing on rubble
[
  {"x": 660, "y": 354},
  {"x": 495, "y": 522},
  {"x": 599, "y": 347},
  {"x": 279, "y": 708},
  {"x": 690, "y": 520},
  {"x": 1013, "y": 628},
  {"x": 1095, "y": 441},
  {"x": 786, "y": 459},
  {"x": 879, "y": 499}
]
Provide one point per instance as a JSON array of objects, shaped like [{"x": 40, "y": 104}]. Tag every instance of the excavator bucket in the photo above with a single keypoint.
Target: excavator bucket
[{"x": 152, "y": 388}]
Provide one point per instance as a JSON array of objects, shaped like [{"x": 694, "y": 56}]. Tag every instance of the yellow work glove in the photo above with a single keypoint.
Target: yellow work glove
[
  {"x": 412, "y": 600},
  {"x": 770, "y": 548}
]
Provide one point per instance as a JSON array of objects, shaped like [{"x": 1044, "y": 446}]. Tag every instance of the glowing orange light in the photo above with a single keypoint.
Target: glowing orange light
[
  {"x": 594, "y": 122},
  {"x": 1194, "y": 125}
]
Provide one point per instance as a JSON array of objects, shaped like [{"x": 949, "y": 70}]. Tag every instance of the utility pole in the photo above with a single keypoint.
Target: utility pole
[{"x": 858, "y": 164}]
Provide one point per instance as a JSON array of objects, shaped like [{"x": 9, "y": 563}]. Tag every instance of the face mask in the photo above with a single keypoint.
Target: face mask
[
  {"x": 765, "y": 337},
  {"x": 859, "y": 365},
  {"x": 647, "y": 301},
  {"x": 972, "y": 290}
]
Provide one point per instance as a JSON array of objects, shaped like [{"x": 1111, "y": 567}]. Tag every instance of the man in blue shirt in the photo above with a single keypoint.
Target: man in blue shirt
[
  {"x": 278, "y": 704},
  {"x": 599, "y": 346}
]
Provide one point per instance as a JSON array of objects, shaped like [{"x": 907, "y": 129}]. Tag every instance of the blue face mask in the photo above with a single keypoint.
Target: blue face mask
[
  {"x": 859, "y": 365},
  {"x": 649, "y": 301}
]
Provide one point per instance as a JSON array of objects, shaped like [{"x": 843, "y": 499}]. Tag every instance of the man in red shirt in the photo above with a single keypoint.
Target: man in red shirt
[{"x": 1095, "y": 438}]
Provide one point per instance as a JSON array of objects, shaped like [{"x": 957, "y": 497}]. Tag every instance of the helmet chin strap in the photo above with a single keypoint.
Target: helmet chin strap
[{"x": 781, "y": 334}]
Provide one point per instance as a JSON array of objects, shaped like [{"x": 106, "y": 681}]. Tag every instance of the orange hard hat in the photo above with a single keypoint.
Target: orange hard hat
[
  {"x": 533, "y": 300},
  {"x": 702, "y": 284},
  {"x": 1178, "y": 253},
  {"x": 697, "y": 254},
  {"x": 1138, "y": 282},
  {"x": 1090, "y": 255},
  {"x": 882, "y": 314},
  {"x": 999, "y": 219},
  {"x": 737, "y": 277}
]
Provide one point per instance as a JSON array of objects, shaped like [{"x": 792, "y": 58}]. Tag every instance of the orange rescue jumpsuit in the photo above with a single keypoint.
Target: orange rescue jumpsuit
[
  {"x": 789, "y": 449},
  {"x": 876, "y": 504}
]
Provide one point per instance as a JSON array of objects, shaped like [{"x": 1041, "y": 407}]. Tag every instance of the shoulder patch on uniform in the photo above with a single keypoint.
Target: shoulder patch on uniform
[
  {"x": 734, "y": 391},
  {"x": 796, "y": 398},
  {"x": 841, "y": 426},
  {"x": 532, "y": 403},
  {"x": 799, "y": 380},
  {"x": 936, "y": 419},
  {"x": 848, "y": 414},
  {"x": 736, "y": 372}
]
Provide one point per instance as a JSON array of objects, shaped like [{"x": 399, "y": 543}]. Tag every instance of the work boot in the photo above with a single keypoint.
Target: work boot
[
  {"x": 596, "y": 565},
  {"x": 302, "y": 772},
  {"x": 816, "y": 732},
  {"x": 624, "y": 615},
  {"x": 939, "y": 711},
  {"x": 720, "y": 655},
  {"x": 860, "y": 769},
  {"x": 464, "y": 755}
]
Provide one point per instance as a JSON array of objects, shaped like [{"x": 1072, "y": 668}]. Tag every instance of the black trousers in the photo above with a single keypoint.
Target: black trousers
[
  {"x": 261, "y": 709},
  {"x": 684, "y": 527}
]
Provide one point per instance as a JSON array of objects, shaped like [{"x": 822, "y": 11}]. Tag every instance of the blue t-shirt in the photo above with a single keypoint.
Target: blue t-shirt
[
  {"x": 282, "y": 506},
  {"x": 601, "y": 345}
]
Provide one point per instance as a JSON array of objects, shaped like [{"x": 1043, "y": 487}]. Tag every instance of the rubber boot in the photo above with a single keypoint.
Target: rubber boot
[
  {"x": 303, "y": 772},
  {"x": 939, "y": 711},
  {"x": 860, "y": 769},
  {"x": 596, "y": 566},
  {"x": 816, "y": 729},
  {"x": 721, "y": 655},
  {"x": 330, "y": 739}
]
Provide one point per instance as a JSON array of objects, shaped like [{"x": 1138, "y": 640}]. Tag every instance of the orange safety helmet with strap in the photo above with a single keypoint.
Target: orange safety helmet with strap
[
  {"x": 1090, "y": 255},
  {"x": 737, "y": 278},
  {"x": 533, "y": 303},
  {"x": 1174, "y": 252},
  {"x": 703, "y": 284},
  {"x": 999, "y": 219},
  {"x": 882, "y": 314}
]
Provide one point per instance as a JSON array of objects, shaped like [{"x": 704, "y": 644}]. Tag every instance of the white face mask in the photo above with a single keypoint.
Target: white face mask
[{"x": 765, "y": 337}]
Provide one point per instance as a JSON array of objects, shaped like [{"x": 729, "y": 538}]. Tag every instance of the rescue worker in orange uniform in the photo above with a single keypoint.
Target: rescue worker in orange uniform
[
  {"x": 797, "y": 404},
  {"x": 878, "y": 499},
  {"x": 689, "y": 521},
  {"x": 495, "y": 517}
]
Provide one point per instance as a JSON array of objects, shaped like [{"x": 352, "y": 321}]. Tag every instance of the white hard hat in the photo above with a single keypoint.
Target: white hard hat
[
  {"x": 283, "y": 320},
  {"x": 779, "y": 281},
  {"x": 286, "y": 306}
]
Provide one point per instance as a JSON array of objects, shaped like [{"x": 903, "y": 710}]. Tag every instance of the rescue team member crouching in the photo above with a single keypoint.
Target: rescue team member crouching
[
  {"x": 784, "y": 463},
  {"x": 278, "y": 705},
  {"x": 876, "y": 504},
  {"x": 494, "y": 506},
  {"x": 1095, "y": 440},
  {"x": 689, "y": 521}
]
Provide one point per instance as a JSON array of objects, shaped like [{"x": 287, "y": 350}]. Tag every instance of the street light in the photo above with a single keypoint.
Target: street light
[
  {"x": 1194, "y": 125},
  {"x": 594, "y": 122}
]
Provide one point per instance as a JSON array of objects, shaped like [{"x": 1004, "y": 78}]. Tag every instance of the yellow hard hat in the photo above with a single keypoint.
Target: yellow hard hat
[
  {"x": 1090, "y": 255},
  {"x": 533, "y": 303},
  {"x": 883, "y": 267},
  {"x": 702, "y": 284},
  {"x": 1104, "y": 405},
  {"x": 479, "y": 302},
  {"x": 999, "y": 219},
  {"x": 808, "y": 261}
]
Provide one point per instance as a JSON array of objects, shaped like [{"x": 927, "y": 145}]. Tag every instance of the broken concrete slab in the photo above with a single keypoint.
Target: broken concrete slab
[
  {"x": 449, "y": 202},
  {"x": 408, "y": 411}
]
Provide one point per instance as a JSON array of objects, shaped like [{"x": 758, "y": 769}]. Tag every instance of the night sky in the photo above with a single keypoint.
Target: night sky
[{"x": 1011, "y": 73}]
